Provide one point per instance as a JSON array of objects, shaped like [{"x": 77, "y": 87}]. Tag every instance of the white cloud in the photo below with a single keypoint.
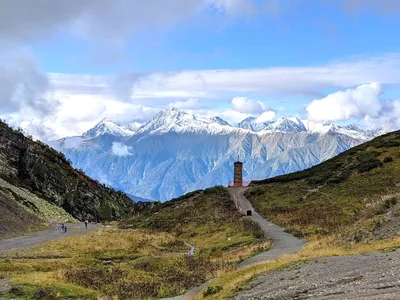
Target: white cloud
[
  {"x": 24, "y": 21},
  {"x": 82, "y": 100},
  {"x": 266, "y": 116},
  {"x": 248, "y": 106},
  {"x": 23, "y": 87},
  {"x": 349, "y": 104},
  {"x": 120, "y": 149},
  {"x": 191, "y": 103}
]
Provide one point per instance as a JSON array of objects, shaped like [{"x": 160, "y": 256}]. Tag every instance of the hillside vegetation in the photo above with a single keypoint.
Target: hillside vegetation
[
  {"x": 41, "y": 181},
  {"x": 207, "y": 219},
  {"x": 146, "y": 258},
  {"x": 355, "y": 195}
]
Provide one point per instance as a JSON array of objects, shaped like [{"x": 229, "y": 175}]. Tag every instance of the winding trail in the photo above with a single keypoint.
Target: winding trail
[
  {"x": 282, "y": 242},
  {"x": 41, "y": 237}
]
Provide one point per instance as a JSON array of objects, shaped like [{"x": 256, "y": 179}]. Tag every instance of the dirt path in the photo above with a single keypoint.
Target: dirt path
[
  {"x": 369, "y": 277},
  {"x": 282, "y": 242},
  {"x": 41, "y": 237}
]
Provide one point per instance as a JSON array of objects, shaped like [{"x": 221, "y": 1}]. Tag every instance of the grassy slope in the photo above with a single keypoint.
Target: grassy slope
[
  {"x": 15, "y": 219},
  {"x": 45, "y": 173},
  {"x": 353, "y": 193},
  {"x": 206, "y": 219},
  {"x": 344, "y": 206},
  {"x": 145, "y": 259}
]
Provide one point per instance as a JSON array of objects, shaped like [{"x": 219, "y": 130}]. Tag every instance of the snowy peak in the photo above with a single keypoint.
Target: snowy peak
[
  {"x": 175, "y": 120},
  {"x": 132, "y": 126},
  {"x": 180, "y": 121},
  {"x": 286, "y": 126},
  {"x": 106, "y": 126},
  {"x": 281, "y": 125}
]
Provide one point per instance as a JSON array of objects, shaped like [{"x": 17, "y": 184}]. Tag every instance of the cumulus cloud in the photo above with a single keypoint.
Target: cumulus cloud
[
  {"x": 266, "y": 116},
  {"x": 349, "y": 104},
  {"x": 389, "y": 116},
  {"x": 191, "y": 103},
  {"x": 96, "y": 98},
  {"x": 248, "y": 106},
  {"x": 23, "y": 88},
  {"x": 120, "y": 149}
]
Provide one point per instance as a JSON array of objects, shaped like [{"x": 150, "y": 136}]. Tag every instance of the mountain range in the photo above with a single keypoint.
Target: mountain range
[{"x": 177, "y": 152}]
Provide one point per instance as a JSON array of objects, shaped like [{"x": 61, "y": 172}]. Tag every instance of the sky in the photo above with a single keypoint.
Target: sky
[{"x": 64, "y": 66}]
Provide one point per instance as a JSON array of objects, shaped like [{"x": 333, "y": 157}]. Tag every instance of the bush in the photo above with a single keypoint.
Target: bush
[
  {"x": 369, "y": 165},
  {"x": 212, "y": 290},
  {"x": 17, "y": 291},
  {"x": 368, "y": 161},
  {"x": 388, "y": 159},
  {"x": 45, "y": 293},
  {"x": 254, "y": 228}
]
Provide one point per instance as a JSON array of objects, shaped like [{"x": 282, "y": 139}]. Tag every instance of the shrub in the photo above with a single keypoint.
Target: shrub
[
  {"x": 388, "y": 159},
  {"x": 212, "y": 290},
  {"x": 368, "y": 161},
  {"x": 369, "y": 165},
  {"x": 254, "y": 228},
  {"x": 17, "y": 291},
  {"x": 45, "y": 293}
]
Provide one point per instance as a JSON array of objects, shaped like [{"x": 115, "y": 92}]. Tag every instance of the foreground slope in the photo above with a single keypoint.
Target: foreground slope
[
  {"x": 355, "y": 194},
  {"x": 146, "y": 258},
  {"x": 208, "y": 219},
  {"x": 37, "y": 183}
]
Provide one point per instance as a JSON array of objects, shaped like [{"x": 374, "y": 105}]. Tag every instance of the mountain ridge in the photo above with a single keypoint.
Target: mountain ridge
[
  {"x": 39, "y": 184},
  {"x": 177, "y": 152}
]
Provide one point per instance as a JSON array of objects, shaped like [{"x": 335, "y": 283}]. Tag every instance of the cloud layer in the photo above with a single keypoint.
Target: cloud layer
[
  {"x": 70, "y": 104},
  {"x": 358, "y": 103}
]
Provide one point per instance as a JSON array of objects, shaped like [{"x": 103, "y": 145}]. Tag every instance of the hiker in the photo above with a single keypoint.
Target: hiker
[
  {"x": 86, "y": 223},
  {"x": 62, "y": 227},
  {"x": 65, "y": 228}
]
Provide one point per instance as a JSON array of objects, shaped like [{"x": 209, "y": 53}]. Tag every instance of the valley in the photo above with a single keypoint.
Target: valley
[
  {"x": 177, "y": 152},
  {"x": 163, "y": 250}
]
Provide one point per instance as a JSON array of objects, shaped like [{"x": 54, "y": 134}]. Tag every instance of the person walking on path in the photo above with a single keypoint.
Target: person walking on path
[
  {"x": 65, "y": 228},
  {"x": 86, "y": 223},
  {"x": 62, "y": 227}
]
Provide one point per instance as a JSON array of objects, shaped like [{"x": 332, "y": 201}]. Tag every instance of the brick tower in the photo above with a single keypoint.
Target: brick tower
[{"x": 238, "y": 174}]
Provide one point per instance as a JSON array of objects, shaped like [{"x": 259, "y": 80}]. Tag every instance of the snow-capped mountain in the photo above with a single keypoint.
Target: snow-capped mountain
[
  {"x": 108, "y": 127},
  {"x": 174, "y": 120},
  {"x": 177, "y": 152},
  {"x": 280, "y": 125}
]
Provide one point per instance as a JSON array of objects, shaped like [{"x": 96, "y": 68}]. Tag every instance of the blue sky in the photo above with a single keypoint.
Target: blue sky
[
  {"x": 306, "y": 35},
  {"x": 129, "y": 59}
]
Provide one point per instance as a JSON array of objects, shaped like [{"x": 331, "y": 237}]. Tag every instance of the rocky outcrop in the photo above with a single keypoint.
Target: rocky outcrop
[{"x": 41, "y": 170}]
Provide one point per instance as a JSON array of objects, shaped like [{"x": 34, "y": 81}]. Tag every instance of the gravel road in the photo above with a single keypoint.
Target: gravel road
[
  {"x": 282, "y": 242},
  {"x": 41, "y": 237},
  {"x": 368, "y": 277}
]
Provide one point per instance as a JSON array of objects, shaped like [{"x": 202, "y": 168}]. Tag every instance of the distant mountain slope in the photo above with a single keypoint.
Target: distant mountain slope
[
  {"x": 39, "y": 179},
  {"x": 177, "y": 152},
  {"x": 355, "y": 195}
]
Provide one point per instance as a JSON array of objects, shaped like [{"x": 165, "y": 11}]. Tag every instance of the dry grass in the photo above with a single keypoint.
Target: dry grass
[
  {"x": 234, "y": 281},
  {"x": 104, "y": 243}
]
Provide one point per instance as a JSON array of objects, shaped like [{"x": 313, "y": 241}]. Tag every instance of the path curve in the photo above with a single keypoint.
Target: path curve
[
  {"x": 281, "y": 242},
  {"x": 41, "y": 237}
]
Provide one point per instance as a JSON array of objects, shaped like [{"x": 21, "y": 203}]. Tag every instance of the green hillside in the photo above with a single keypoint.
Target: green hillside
[
  {"x": 207, "y": 219},
  {"x": 39, "y": 184},
  {"x": 355, "y": 194}
]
